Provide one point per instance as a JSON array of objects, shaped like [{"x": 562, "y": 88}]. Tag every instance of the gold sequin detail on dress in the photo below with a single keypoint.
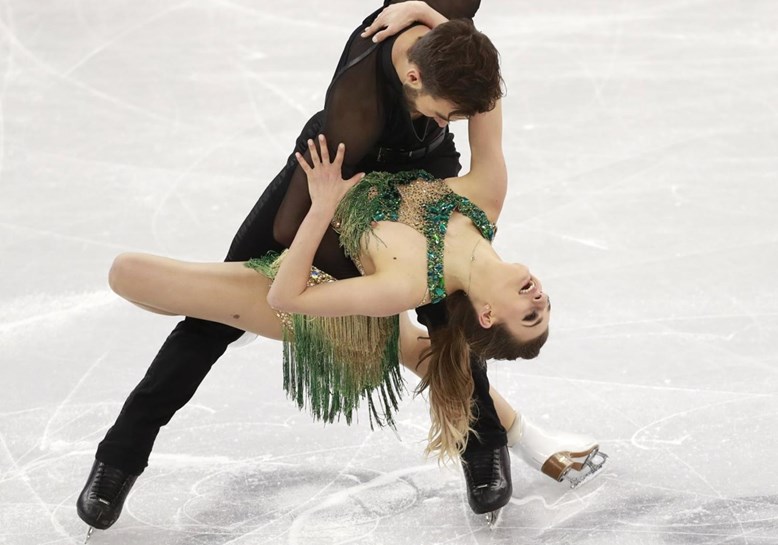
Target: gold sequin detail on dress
[{"x": 415, "y": 198}]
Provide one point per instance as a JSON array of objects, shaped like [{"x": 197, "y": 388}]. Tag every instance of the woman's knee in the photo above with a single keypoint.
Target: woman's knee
[{"x": 124, "y": 268}]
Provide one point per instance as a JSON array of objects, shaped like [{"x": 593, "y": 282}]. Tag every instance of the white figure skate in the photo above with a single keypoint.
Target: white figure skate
[{"x": 562, "y": 456}]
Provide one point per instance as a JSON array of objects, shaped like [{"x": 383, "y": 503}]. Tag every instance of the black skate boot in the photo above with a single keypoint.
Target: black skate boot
[
  {"x": 488, "y": 476},
  {"x": 102, "y": 498}
]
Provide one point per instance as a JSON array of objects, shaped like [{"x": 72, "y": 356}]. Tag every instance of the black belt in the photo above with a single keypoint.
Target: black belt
[{"x": 389, "y": 155}]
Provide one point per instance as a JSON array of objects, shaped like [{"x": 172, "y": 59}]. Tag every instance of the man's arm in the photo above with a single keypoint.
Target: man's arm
[{"x": 354, "y": 116}]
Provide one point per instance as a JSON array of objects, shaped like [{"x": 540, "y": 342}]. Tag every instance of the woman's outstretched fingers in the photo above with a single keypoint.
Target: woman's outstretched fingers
[
  {"x": 314, "y": 153},
  {"x": 302, "y": 162},
  {"x": 338, "y": 162},
  {"x": 354, "y": 180},
  {"x": 325, "y": 151}
]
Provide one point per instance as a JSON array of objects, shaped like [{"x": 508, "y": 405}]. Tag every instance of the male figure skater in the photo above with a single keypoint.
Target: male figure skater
[{"x": 390, "y": 103}]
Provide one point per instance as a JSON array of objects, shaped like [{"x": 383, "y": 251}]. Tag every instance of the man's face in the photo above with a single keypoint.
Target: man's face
[{"x": 421, "y": 103}]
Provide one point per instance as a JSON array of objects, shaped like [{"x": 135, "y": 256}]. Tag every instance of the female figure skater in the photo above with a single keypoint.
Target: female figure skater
[
  {"x": 192, "y": 348},
  {"x": 417, "y": 239}
]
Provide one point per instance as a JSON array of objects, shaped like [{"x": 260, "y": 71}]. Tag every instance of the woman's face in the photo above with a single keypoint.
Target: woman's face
[{"x": 524, "y": 308}]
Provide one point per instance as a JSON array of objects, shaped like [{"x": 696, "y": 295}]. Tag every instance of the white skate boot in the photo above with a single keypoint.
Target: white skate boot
[{"x": 562, "y": 456}]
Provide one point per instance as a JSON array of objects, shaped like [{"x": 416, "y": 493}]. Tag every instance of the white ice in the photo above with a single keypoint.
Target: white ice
[{"x": 642, "y": 140}]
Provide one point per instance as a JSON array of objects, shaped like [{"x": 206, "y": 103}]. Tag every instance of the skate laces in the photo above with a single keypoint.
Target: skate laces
[
  {"x": 484, "y": 467},
  {"x": 108, "y": 483}
]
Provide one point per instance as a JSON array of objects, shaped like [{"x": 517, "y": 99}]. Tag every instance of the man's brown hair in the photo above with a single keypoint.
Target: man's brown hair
[{"x": 460, "y": 64}]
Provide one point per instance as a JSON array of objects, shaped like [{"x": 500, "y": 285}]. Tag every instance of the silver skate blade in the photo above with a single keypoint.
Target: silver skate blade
[
  {"x": 592, "y": 467},
  {"x": 88, "y": 534},
  {"x": 492, "y": 518}
]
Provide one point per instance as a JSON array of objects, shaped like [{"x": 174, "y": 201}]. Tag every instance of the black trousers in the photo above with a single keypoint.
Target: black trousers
[{"x": 194, "y": 345}]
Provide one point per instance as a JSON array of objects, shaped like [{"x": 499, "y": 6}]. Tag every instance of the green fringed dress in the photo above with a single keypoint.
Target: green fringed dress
[{"x": 330, "y": 364}]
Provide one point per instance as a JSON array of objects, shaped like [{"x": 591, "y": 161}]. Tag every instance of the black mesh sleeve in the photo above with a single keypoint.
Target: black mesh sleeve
[
  {"x": 353, "y": 115},
  {"x": 450, "y": 9}
]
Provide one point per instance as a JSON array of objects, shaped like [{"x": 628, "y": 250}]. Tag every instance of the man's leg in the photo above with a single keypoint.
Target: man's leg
[
  {"x": 170, "y": 382},
  {"x": 178, "y": 369},
  {"x": 486, "y": 462}
]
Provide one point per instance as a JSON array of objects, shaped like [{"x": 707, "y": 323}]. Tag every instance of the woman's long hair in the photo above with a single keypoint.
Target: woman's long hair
[{"x": 449, "y": 376}]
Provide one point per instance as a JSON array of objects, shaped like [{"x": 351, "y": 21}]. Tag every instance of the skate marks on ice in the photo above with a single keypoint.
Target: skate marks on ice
[
  {"x": 315, "y": 499},
  {"x": 642, "y": 150},
  {"x": 610, "y": 509},
  {"x": 300, "y": 500},
  {"x": 690, "y": 466}
]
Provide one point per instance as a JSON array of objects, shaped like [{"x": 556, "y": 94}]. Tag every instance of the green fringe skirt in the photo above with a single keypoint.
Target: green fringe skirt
[{"x": 331, "y": 364}]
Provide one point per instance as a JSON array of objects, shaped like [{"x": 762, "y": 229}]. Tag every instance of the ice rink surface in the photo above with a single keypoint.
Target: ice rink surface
[{"x": 642, "y": 145}]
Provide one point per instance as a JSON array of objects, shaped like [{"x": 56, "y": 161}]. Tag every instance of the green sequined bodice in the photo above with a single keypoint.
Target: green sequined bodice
[{"x": 415, "y": 198}]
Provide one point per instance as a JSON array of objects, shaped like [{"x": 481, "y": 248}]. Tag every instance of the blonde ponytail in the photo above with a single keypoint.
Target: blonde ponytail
[
  {"x": 449, "y": 376},
  {"x": 451, "y": 386}
]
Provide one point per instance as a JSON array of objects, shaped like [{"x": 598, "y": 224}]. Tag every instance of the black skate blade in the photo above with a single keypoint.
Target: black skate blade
[{"x": 492, "y": 518}]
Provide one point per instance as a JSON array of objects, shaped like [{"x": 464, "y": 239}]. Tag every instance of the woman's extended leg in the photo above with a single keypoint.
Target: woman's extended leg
[{"x": 228, "y": 293}]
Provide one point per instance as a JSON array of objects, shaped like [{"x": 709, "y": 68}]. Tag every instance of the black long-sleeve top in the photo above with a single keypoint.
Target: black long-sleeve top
[{"x": 365, "y": 109}]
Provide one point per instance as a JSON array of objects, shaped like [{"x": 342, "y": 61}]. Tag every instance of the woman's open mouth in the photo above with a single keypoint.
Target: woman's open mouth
[{"x": 528, "y": 287}]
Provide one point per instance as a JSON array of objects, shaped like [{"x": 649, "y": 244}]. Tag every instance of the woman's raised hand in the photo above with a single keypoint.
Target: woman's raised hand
[
  {"x": 325, "y": 182},
  {"x": 398, "y": 17},
  {"x": 392, "y": 20}
]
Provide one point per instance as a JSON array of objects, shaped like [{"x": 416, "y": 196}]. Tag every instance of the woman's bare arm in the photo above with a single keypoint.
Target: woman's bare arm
[{"x": 374, "y": 295}]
